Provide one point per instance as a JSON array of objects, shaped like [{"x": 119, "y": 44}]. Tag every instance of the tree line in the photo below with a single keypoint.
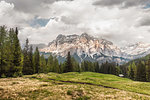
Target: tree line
[
  {"x": 17, "y": 62},
  {"x": 139, "y": 71}
]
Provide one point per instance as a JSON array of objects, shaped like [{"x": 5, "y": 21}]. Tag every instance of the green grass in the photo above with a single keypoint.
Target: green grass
[{"x": 100, "y": 79}]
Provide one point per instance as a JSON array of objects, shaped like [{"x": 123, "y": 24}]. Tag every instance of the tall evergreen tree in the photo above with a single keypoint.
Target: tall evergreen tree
[
  {"x": 17, "y": 55},
  {"x": 97, "y": 69},
  {"x": 37, "y": 60},
  {"x": 43, "y": 67},
  {"x": 50, "y": 63},
  {"x": 148, "y": 71},
  {"x": 30, "y": 54},
  {"x": 141, "y": 71},
  {"x": 2, "y": 49},
  {"x": 27, "y": 69},
  {"x": 68, "y": 66},
  {"x": 56, "y": 67}
]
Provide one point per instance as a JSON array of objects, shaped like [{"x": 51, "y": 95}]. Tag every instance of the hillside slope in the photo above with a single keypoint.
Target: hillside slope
[{"x": 73, "y": 86}]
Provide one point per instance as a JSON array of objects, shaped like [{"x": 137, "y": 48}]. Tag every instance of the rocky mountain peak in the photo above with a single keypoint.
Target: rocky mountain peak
[
  {"x": 60, "y": 36},
  {"x": 84, "y": 46}
]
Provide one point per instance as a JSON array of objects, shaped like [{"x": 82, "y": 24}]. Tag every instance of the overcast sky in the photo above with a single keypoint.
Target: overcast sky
[{"x": 120, "y": 21}]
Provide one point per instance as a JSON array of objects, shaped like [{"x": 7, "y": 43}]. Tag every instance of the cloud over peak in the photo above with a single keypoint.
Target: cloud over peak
[{"x": 42, "y": 20}]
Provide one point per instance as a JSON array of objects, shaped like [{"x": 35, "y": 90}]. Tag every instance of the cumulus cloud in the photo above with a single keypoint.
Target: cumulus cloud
[
  {"x": 42, "y": 20},
  {"x": 144, "y": 21},
  {"x": 122, "y": 3}
]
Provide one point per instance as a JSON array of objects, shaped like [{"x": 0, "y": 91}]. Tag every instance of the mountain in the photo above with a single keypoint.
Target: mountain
[
  {"x": 86, "y": 47},
  {"x": 137, "y": 50}
]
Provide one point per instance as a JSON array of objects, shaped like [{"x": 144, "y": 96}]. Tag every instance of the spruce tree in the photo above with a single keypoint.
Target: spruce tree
[
  {"x": 37, "y": 60},
  {"x": 30, "y": 54},
  {"x": 141, "y": 71},
  {"x": 43, "y": 67},
  {"x": 50, "y": 63},
  {"x": 97, "y": 69},
  {"x": 68, "y": 66},
  {"x": 27, "y": 70},
  {"x": 148, "y": 71},
  {"x": 2, "y": 43},
  {"x": 17, "y": 55},
  {"x": 56, "y": 67},
  {"x": 4, "y": 52}
]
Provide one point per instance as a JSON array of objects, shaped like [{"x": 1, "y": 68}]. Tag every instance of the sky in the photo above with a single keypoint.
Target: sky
[{"x": 119, "y": 21}]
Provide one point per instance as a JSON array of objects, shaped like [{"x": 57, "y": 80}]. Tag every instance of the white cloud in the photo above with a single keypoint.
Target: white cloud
[{"x": 113, "y": 23}]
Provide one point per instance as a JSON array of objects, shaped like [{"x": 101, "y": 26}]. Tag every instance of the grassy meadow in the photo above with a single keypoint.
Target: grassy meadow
[{"x": 73, "y": 86}]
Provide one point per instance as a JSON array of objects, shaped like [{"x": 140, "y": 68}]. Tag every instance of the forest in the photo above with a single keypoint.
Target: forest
[{"x": 16, "y": 61}]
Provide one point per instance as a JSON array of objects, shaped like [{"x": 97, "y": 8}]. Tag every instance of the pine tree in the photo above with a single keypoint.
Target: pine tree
[
  {"x": 97, "y": 69},
  {"x": 43, "y": 68},
  {"x": 37, "y": 60},
  {"x": 75, "y": 65},
  {"x": 2, "y": 49},
  {"x": 141, "y": 71},
  {"x": 56, "y": 66},
  {"x": 148, "y": 71},
  {"x": 68, "y": 66},
  {"x": 50, "y": 63},
  {"x": 17, "y": 55},
  {"x": 30, "y": 54},
  {"x": 27, "y": 68},
  {"x": 131, "y": 72}
]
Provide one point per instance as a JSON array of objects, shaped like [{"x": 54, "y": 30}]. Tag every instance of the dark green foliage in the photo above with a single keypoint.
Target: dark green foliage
[
  {"x": 68, "y": 64},
  {"x": 17, "y": 55},
  {"x": 148, "y": 71},
  {"x": 109, "y": 68},
  {"x": 37, "y": 60},
  {"x": 132, "y": 71},
  {"x": 141, "y": 71},
  {"x": 69, "y": 92},
  {"x": 43, "y": 68},
  {"x": 27, "y": 60},
  {"x": 30, "y": 54},
  {"x": 50, "y": 63},
  {"x": 10, "y": 53},
  {"x": 56, "y": 67}
]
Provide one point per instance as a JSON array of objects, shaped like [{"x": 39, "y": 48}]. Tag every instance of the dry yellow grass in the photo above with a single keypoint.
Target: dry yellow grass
[{"x": 33, "y": 89}]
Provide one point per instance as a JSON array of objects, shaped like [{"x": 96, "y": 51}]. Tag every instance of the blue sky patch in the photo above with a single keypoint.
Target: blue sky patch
[
  {"x": 39, "y": 22},
  {"x": 147, "y": 6}
]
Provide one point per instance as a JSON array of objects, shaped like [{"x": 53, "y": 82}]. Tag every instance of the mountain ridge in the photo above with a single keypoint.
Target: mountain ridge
[{"x": 86, "y": 47}]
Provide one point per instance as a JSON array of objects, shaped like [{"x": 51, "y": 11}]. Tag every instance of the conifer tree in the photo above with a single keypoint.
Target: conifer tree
[
  {"x": 97, "y": 69},
  {"x": 30, "y": 54},
  {"x": 50, "y": 63},
  {"x": 148, "y": 71},
  {"x": 17, "y": 55},
  {"x": 68, "y": 66},
  {"x": 27, "y": 70},
  {"x": 56, "y": 66},
  {"x": 37, "y": 60},
  {"x": 43, "y": 64},
  {"x": 2, "y": 49},
  {"x": 141, "y": 71},
  {"x": 131, "y": 72}
]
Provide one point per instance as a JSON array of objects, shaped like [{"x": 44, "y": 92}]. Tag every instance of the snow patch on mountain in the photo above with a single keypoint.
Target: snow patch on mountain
[
  {"x": 86, "y": 47},
  {"x": 139, "y": 48}
]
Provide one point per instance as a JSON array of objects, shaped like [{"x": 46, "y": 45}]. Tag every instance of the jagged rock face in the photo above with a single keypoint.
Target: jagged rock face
[
  {"x": 137, "y": 50},
  {"x": 85, "y": 47}
]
